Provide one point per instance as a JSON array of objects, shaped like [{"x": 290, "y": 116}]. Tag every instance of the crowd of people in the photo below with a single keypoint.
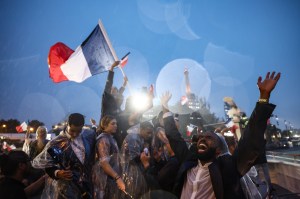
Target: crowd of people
[{"x": 122, "y": 157}]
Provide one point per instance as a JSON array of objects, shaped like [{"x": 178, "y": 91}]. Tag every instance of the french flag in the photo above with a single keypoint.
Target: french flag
[
  {"x": 124, "y": 60},
  {"x": 22, "y": 127},
  {"x": 189, "y": 129},
  {"x": 95, "y": 55}
]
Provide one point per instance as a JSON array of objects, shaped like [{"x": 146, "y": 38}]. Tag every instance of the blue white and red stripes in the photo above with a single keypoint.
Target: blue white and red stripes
[{"x": 95, "y": 55}]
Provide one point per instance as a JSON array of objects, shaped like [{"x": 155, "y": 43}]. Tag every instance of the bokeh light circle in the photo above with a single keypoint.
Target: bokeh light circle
[{"x": 171, "y": 78}]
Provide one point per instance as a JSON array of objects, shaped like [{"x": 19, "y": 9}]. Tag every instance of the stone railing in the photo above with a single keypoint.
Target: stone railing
[{"x": 285, "y": 170}]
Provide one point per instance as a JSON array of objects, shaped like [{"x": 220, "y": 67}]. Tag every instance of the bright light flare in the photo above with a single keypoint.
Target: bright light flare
[
  {"x": 140, "y": 101},
  {"x": 49, "y": 137}
]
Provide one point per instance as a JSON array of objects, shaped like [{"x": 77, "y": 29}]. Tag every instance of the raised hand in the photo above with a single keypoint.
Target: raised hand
[
  {"x": 116, "y": 63},
  {"x": 93, "y": 122},
  {"x": 267, "y": 85},
  {"x": 165, "y": 98}
]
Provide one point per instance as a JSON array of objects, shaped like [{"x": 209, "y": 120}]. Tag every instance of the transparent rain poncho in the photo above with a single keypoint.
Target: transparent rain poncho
[
  {"x": 132, "y": 168},
  {"x": 58, "y": 154},
  {"x": 252, "y": 187},
  {"x": 104, "y": 185},
  {"x": 249, "y": 187}
]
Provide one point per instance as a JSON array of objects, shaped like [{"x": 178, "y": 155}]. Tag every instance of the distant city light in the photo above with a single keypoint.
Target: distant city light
[{"x": 296, "y": 136}]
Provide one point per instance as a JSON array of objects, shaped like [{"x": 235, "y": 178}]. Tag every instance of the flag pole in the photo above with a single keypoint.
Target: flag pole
[
  {"x": 123, "y": 73},
  {"x": 121, "y": 62},
  {"x": 125, "y": 56}
]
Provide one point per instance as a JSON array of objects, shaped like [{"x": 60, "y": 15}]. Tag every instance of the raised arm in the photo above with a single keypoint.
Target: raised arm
[
  {"x": 251, "y": 144},
  {"x": 122, "y": 89},
  {"x": 267, "y": 85},
  {"x": 175, "y": 139},
  {"x": 108, "y": 103},
  {"x": 110, "y": 77}
]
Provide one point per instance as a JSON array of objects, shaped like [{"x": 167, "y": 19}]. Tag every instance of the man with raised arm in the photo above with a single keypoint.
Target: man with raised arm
[
  {"x": 112, "y": 97},
  {"x": 204, "y": 174}
]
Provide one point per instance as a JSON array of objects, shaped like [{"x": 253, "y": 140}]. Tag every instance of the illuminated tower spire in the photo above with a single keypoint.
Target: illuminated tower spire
[{"x": 187, "y": 83}]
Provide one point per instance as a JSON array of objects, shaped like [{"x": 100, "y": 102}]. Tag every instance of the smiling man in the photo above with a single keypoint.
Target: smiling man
[{"x": 205, "y": 175}]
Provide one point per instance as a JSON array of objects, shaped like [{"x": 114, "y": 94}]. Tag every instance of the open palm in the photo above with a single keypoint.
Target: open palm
[{"x": 268, "y": 84}]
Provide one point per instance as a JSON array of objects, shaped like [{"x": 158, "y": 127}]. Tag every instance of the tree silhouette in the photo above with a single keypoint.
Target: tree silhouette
[
  {"x": 9, "y": 126},
  {"x": 35, "y": 124}
]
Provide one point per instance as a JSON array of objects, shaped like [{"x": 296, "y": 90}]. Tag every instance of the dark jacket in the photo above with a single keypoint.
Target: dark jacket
[
  {"x": 225, "y": 171},
  {"x": 111, "y": 104}
]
